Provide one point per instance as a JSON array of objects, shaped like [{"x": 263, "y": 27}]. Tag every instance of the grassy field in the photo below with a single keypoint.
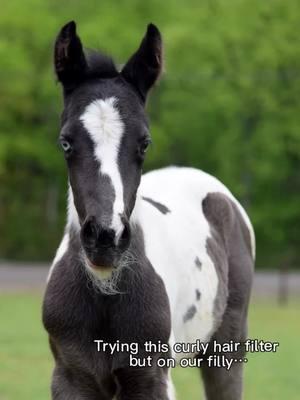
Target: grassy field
[{"x": 26, "y": 363}]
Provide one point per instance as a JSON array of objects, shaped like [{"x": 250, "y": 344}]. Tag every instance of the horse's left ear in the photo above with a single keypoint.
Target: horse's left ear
[
  {"x": 145, "y": 66},
  {"x": 69, "y": 59}
]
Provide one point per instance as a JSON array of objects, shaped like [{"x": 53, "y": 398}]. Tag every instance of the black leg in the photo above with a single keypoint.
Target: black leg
[
  {"x": 67, "y": 385},
  {"x": 143, "y": 384},
  {"x": 220, "y": 383}
]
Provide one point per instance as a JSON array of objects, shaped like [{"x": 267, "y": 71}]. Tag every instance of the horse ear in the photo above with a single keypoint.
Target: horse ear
[
  {"x": 145, "y": 66},
  {"x": 69, "y": 60}
]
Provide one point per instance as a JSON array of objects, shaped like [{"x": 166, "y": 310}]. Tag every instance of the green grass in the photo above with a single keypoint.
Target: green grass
[{"x": 26, "y": 363}]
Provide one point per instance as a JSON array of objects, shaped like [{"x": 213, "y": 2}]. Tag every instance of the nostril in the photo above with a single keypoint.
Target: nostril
[
  {"x": 99, "y": 237},
  {"x": 90, "y": 232}
]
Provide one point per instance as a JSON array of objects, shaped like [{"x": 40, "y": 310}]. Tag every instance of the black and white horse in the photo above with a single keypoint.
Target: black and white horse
[{"x": 165, "y": 257}]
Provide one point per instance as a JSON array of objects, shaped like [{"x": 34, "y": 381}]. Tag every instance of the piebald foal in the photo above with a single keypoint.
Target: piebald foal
[{"x": 167, "y": 257}]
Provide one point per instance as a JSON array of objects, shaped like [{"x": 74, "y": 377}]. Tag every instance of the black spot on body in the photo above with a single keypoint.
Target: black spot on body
[
  {"x": 198, "y": 263},
  {"x": 160, "y": 207},
  {"x": 198, "y": 294},
  {"x": 190, "y": 313}
]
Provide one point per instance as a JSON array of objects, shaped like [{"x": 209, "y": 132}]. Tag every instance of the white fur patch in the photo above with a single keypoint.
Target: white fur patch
[
  {"x": 73, "y": 219},
  {"x": 174, "y": 240},
  {"x": 170, "y": 387},
  {"x": 102, "y": 120},
  {"x": 63, "y": 247}
]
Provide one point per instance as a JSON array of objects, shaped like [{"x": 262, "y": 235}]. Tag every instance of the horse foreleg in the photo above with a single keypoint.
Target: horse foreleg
[{"x": 150, "y": 383}]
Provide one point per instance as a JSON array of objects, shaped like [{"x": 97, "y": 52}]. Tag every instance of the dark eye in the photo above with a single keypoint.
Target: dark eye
[
  {"x": 144, "y": 146},
  {"x": 66, "y": 146}
]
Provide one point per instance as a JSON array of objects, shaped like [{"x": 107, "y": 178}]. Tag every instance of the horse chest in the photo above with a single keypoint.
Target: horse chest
[{"x": 141, "y": 310}]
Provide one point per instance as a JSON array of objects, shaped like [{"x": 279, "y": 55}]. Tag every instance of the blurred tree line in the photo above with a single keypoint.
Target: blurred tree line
[{"x": 228, "y": 103}]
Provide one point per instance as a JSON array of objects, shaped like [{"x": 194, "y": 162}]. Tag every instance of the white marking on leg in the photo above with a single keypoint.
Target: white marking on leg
[
  {"x": 103, "y": 122},
  {"x": 170, "y": 387},
  {"x": 63, "y": 247}
]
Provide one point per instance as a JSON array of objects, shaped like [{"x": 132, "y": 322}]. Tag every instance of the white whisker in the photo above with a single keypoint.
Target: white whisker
[{"x": 110, "y": 286}]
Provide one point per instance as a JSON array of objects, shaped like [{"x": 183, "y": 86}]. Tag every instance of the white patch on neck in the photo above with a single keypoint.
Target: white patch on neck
[
  {"x": 170, "y": 387},
  {"x": 63, "y": 247},
  {"x": 102, "y": 120},
  {"x": 73, "y": 219}
]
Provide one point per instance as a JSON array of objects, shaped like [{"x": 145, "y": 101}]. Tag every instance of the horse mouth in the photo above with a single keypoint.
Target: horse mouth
[
  {"x": 102, "y": 261},
  {"x": 96, "y": 266},
  {"x": 103, "y": 272}
]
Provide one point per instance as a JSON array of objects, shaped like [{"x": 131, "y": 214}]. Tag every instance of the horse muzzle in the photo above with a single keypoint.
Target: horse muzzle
[{"x": 102, "y": 245}]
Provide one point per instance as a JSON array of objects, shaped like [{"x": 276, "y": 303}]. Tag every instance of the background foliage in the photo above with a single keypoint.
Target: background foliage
[{"x": 229, "y": 103}]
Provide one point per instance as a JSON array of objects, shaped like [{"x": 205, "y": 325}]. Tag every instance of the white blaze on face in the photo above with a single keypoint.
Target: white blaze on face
[{"x": 102, "y": 120}]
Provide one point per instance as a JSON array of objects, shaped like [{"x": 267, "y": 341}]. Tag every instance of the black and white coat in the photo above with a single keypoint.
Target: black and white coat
[{"x": 185, "y": 275}]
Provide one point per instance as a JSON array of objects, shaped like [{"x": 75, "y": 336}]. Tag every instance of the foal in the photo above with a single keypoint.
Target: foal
[{"x": 167, "y": 257}]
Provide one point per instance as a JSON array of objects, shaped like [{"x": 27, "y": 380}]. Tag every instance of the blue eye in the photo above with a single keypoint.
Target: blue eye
[{"x": 66, "y": 146}]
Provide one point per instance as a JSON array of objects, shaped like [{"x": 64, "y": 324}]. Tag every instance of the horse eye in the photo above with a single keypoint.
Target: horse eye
[
  {"x": 66, "y": 146},
  {"x": 144, "y": 146}
]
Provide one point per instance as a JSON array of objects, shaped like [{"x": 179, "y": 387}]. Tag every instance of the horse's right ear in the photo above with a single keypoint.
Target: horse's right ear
[{"x": 69, "y": 60}]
